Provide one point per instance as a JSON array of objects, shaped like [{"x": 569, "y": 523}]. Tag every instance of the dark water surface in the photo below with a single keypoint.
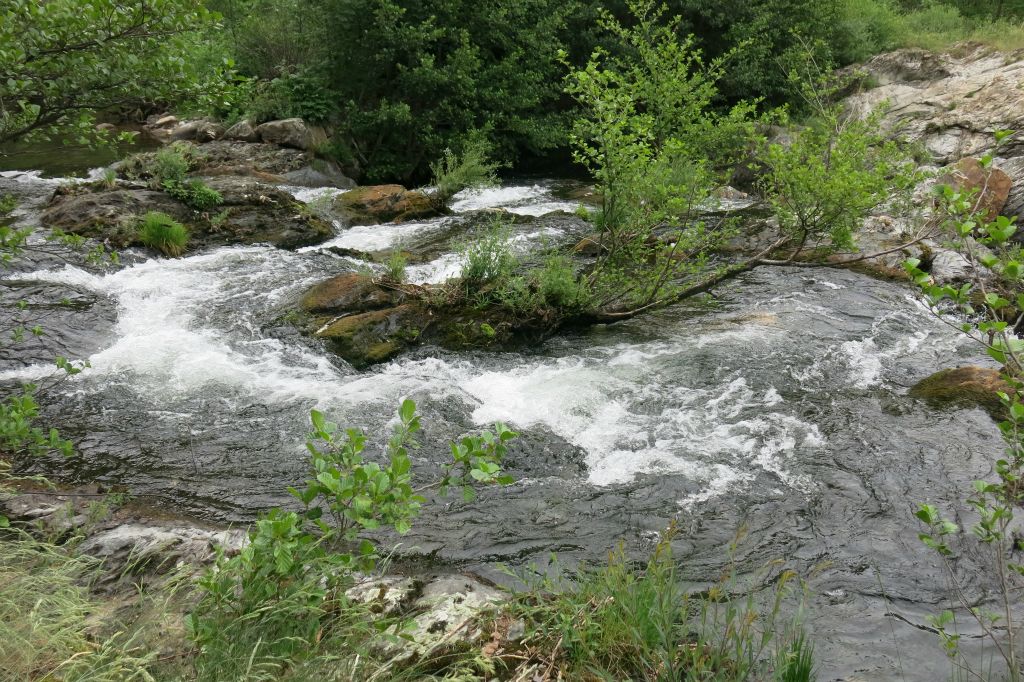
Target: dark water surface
[{"x": 779, "y": 407}]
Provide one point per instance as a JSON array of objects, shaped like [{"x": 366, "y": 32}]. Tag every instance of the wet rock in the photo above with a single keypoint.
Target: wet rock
[
  {"x": 384, "y": 203},
  {"x": 350, "y": 292},
  {"x": 962, "y": 386},
  {"x": 291, "y": 132},
  {"x": 251, "y": 213},
  {"x": 589, "y": 246},
  {"x": 376, "y": 336},
  {"x": 319, "y": 174},
  {"x": 990, "y": 186},
  {"x": 243, "y": 131},
  {"x": 269, "y": 163}
]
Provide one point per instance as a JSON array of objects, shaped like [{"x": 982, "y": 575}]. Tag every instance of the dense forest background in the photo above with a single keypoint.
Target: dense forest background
[{"x": 400, "y": 82}]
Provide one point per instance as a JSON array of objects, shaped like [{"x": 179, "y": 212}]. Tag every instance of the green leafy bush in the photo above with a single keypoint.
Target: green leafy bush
[
  {"x": 194, "y": 194},
  {"x": 396, "y": 265},
  {"x": 470, "y": 169},
  {"x": 489, "y": 256},
  {"x": 161, "y": 232},
  {"x": 171, "y": 163}
]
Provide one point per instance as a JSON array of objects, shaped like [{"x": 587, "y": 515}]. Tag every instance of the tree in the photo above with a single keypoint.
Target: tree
[{"x": 62, "y": 62}]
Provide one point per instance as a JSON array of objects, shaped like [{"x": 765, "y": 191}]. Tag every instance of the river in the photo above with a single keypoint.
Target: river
[{"x": 778, "y": 406}]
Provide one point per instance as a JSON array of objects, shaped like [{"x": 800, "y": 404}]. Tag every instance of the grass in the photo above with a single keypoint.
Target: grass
[
  {"x": 621, "y": 622},
  {"x": 161, "y": 232},
  {"x": 869, "y": 27},
  {"x": 47, "y": 631}
]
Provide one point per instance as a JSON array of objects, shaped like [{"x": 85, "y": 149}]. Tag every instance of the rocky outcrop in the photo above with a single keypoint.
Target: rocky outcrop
[
  {"x": 384, "y": 203},
  {"x": 963, "y": 386},
  {"x": 291, "y": 132},
  {"x": 367, "y": 321},
  {"x": 243, "y": 131},
  {"x": 251, "y": 213},
  {"x": 951, "y": 104}
]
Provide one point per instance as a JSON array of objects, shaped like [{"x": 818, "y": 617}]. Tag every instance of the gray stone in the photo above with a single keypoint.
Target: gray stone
[
  {"x": 243, "y": 131},
  {"x": 288, "y": 132}
]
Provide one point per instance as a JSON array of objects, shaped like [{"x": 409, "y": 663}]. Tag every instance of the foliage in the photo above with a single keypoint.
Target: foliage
[
  {"x": 161, "y": 232},
  {"x": 168, "y": 164},
  {"x": 64, "y": 61},
  {"x": 488, "y": 257},
  {"x": 989, "y": 307},
  {"x": 261, "y": 609},
  {"x": 395, "y": 266},
  {"x": 621, "y": 623},
  {"x": 194, "y": 194},
  {"x": 648, "y": 135},
  {"x": 833, "y": 172},
  {"x": 45, "y": 627},
  {"x": 453, "y": 172}
]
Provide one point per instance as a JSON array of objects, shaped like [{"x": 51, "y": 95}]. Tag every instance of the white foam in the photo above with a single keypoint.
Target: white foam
[
  {"x": 532, "y": 200},
  {"x": 378, "y": 237}
]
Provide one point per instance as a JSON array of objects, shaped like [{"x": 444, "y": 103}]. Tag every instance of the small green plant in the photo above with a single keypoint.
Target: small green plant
[
  {"x": 170, "y": 163},
  {"x": 453, "y": 172},
  {"x": 620, "y": 622},
  {"x": 489, "y": 256},
  {"x": 395, "y": 266},
  {"x": 108, "y": 178},
  {"x": 161, "y": 232},
  {"x": 194, "y": 194}
]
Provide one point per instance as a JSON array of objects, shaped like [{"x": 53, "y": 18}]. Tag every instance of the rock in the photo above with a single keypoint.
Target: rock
[
  {"x": 243, "y": 131},
  {"x": 449, "y": 617},
  {"x": 290, "y": 132},
  {"x": 105, "y": 127},
  {"x": 963, "y": 386},
  {"x": 1014, "y": 207},
  {"x": 319, "y": 174},
  {"x": 165, "y": 122},
  {"x": 951, "y": 104},
  {"x": 142, "y": 547},
  {"x": 384, "y": 203},
  {"x": 589, "y": 246},
  {"x": 349, "y": 292},
  {"x": 376, "y": 336},
  {"x": 949, "y": 266},
  {"x": 386, "y": 595},
  {"x": 197, "y": 131},
  {"x": 251, "y": 213},
  {"x": 992, "y": 185}
]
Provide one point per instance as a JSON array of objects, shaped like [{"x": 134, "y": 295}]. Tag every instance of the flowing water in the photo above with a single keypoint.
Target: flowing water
[{"x": 778, "y": 407}]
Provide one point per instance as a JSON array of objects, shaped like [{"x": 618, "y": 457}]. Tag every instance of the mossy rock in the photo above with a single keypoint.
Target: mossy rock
[
  {"x": 384, "y": 203},
  {"x": 376, "y": 336},
  {"x": 964, "y": 387}
]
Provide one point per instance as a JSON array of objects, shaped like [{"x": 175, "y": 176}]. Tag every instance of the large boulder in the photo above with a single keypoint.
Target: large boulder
[
  {"x": 291, "y": 132},
  {"x": 197, "y": 131},
  {"x": 963, "y": 386},
  {"x": 251, "y": 212},
  {"x": 384, "y": 203},
  {"x": 352, "y": 291},
  {"x": 377, "y": 335}
]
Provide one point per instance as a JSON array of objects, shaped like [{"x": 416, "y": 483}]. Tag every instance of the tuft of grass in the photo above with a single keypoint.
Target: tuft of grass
[
  {"x": 396, "y": 264},
  {"x": 489, "y": 256},
  {"x": 195, "y": 194},
  {"x": 161, "y": 232}
]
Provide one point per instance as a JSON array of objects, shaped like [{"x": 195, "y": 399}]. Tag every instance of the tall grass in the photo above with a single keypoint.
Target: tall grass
[
  {"x": 47, "y": 626},
  {"x": 621, "y": 622},
  {"x": 868, "y": 27}
]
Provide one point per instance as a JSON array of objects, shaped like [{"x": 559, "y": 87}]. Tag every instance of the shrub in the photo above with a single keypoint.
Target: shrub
[
  {"x": 558, "y": 284},
  {"x": 453, "y": 173},
  {"x": 161, "y": 232},
  {"x": 171, "y": 163},
  {"x": 194, "y": 194},
  {"x": 865, "y": 28},
  {"x": 489, "y": 257}
]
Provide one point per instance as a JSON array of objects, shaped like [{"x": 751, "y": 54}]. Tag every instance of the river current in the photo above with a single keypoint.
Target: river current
[{"x": 776, "y": 409}]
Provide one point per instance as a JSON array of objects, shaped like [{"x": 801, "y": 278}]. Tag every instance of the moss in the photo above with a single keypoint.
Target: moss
[{"x": 963, "y": 387}]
